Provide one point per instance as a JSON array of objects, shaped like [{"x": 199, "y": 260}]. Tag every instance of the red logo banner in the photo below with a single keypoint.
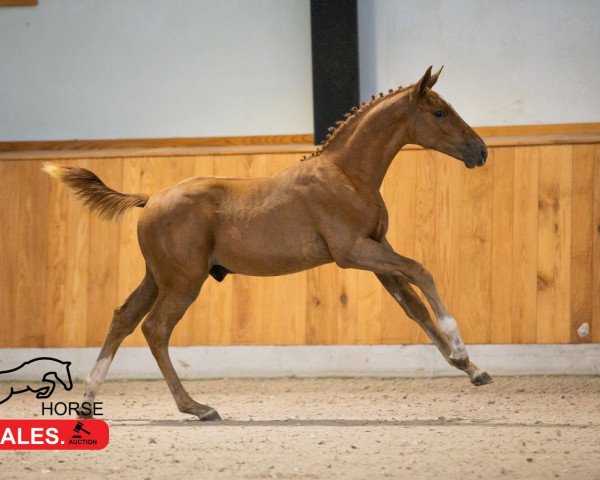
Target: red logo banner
[{"x": 53, "y": 434}]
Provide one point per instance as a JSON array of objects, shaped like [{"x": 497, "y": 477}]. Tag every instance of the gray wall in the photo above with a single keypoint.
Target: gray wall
[
  {"x": 507, "y": 62},
  {"x": 157, "y": 68}
]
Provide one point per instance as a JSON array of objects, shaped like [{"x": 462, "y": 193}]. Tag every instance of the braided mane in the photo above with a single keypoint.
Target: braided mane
[{"x": 349, "y": 118}]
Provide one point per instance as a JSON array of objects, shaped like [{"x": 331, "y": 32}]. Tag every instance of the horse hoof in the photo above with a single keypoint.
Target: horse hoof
[
  {"x": 481, "y": 379},
  {"x": 211, "y": 416}
]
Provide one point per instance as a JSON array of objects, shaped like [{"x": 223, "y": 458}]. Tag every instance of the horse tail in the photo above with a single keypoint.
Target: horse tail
[{"x": 93, "y": 192}]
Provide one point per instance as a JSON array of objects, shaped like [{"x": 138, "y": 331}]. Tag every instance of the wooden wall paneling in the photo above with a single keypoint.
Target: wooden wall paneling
[
  {"x": 9, "y": 247},
  {"x": 595, "y": 326},
  {"x": 103, "y": 265},
  {"x": 425, "y": 225},
  {"x": 31, "y": 276},
  {"x": 139, "y": 176},
  {"x": 59, "y": 198},
  {"x": 368, "y": 308},
  {"x": 76, "y": 262},
  {"x": 525, "y": 245},
  {"x": 582, "y": 237},
  {"x": 346, "y": 306},
  {"x": 554, "y": 244},
  {"x": 23, "y": 254},
  {"x": 295, "y": 323},
  {"x": 399, "y": 193},
  {"x": 477, "y": 231},
  {"x": 448, "y": 208},
  {"x": 502, "y": 162},
  {"x": 323, "y": 290},
  {"x": 474, "y": 249}
]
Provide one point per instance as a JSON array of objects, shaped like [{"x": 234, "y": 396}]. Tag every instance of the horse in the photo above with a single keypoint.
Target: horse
[
  {"x": 52, "y": 371},
  {"x": 326, "y": 208}
]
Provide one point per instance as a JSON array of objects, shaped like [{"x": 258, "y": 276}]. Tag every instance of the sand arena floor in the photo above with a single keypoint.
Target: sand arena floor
[{"x": 526, "y": 427}]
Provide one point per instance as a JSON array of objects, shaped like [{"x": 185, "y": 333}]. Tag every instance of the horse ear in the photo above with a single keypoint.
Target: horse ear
[
  {"x": 424, "y": 82},
  {"x": 434, "y": 78}
]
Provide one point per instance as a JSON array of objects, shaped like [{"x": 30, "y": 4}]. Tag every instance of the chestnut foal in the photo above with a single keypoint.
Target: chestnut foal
[{"x": 325, "y": 209}]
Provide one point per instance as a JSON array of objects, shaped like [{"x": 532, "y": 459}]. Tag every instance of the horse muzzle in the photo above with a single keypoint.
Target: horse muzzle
[{"x": 475, "y": 156}]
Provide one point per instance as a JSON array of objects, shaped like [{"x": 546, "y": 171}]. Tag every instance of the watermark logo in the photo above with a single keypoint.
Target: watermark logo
[
  {"x": 54, "y": 372},
  {"x": 42, "y": 376},
  {"x": 53, "y": 434}
]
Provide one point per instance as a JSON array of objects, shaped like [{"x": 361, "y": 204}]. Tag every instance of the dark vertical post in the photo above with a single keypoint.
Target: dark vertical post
[{"x": 334, "y": 32}]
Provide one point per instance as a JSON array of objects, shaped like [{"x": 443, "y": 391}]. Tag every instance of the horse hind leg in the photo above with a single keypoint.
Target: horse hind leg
[
  {"x": 124, "y": 321},
  {"x": 170, "y": 306}
]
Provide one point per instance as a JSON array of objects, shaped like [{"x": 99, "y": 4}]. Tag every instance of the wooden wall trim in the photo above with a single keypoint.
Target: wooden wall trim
[
  {"x": 498, "y": 136},
  {"x": 532, "y": 130},
  {"x": 148, "y": 143},
  {"x": 18, "y": 3}
]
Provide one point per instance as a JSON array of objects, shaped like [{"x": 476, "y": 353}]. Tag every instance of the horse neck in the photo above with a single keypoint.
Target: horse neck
[{"x": 365, "y": 148}]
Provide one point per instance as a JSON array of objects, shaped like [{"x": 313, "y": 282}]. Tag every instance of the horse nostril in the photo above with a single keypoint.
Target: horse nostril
[{"x": 484, "y": 154}]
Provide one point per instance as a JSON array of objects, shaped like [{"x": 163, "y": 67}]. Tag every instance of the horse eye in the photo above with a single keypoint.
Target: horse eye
[{"x": 440, "y": 113}]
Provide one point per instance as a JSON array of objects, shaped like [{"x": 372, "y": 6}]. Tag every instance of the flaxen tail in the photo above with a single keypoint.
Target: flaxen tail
[{"x": 97, "y": 196}]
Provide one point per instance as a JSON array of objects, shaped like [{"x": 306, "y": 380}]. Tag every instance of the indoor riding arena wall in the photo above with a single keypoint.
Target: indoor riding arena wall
[{"x": 514, "y": 247}]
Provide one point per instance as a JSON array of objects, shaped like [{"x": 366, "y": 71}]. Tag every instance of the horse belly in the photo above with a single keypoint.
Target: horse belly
[{"x": 268, "y": 251}]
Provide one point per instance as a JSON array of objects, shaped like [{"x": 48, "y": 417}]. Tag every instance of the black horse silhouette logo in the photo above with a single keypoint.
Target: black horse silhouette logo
[{"x": 52, "y": 370}]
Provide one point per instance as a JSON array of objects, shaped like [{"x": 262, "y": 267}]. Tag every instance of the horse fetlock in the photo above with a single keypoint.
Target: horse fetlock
[
  {"x": 459, "y": 352},
  {"x": 462, "y": 363}
]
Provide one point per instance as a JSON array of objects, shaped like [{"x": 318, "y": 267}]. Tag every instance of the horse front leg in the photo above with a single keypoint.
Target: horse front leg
[
  {"x": 395, "y": 272},
  {"x": 416, "y": 310}
]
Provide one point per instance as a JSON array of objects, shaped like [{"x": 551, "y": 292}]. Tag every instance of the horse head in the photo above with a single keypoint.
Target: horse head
[{"x": 433, "y": 123}]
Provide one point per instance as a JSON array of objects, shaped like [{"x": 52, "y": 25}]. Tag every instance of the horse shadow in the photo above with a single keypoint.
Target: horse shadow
[{"x": 51, "y": 371}]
